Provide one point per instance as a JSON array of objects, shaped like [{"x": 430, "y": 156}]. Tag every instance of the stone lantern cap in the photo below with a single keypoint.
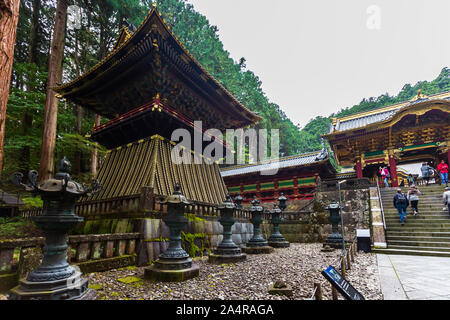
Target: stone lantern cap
[
  {"x": 62, "y": 182},
  {"x": 333, "y": 206},
  {"x": 255, "y": 205},
  {"x": 176, "y": 197},
  {"x": 275, "y": 209},
  {"x": 238, "y": 197},
  {"x": 58, "y": 185},
  {"x": 227, "y": 204}
]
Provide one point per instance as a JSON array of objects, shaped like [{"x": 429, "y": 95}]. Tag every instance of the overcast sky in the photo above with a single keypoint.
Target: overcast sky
[{"x": 315, "y": 57}]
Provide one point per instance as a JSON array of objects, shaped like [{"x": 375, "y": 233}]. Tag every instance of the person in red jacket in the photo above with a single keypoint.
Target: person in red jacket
[{"x": 443, "y": 170}]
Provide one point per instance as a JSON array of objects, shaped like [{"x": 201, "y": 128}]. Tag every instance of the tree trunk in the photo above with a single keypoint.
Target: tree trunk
[
  {"x": 78, "y": 153},
  {"x": 27, "y": 122},
  {"x": 94, "y": 155},
  {"x": 9, "y": 16},
  {"x": 34, "y": 29},
  {"x": 47, "y": 164}
]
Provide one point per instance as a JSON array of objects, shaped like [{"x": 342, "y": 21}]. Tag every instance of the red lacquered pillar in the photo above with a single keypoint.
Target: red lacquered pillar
[
  {"x": 359, "y": 173},
  {"x": 393, "y": 167}
]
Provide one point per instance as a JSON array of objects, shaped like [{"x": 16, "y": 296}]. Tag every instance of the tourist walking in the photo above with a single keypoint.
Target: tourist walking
[
  {"x": 413, "y": 197},
  {"x": 426, "y": 172},
  {"x": 401, "y": 203},
  {"x": 446, "y": 198},
  {"x": 443, "y": 171},
  {"x": 384, "y": 172}
]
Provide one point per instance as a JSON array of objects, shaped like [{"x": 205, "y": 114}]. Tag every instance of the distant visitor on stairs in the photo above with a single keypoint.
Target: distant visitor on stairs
[
  {"x": 413, "y": 197},
  {"x": 446, "y": 198},
  {"x": 401, "y": 203},
  {"x": 443, "y": 170}
]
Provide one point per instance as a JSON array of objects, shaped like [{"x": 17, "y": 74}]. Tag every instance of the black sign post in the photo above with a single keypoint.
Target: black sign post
[{"x": 342, "y": 285}]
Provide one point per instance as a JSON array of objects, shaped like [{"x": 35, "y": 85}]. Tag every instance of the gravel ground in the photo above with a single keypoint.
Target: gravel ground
[{"x": 299, "y": 266}]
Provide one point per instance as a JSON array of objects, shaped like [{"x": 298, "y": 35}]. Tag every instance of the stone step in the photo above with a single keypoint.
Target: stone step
[
  {"x": 399, "y": 247},
  {"x": 433, "y": 244},
  {"x": 423, "y": 193},
  {"x": 440, "y": 208},
  {"x": 429, "y": 187},
  {"x": 417, "y": 239},
  {"x": 408, "y": 233},
  {"x": 412, "y": 252},
  {"x": 407, "y": 228},
  {"x": 431, "y": 204},
  {"x": 411, "y": 219},
  {"x": 416, "y": 225},
  {"x": 420, "y": 216},
  {"x": 428, "y": 198}
]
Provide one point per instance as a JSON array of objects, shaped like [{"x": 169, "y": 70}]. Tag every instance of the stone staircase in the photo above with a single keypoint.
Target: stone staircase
[{"x": 427, "y": 234}]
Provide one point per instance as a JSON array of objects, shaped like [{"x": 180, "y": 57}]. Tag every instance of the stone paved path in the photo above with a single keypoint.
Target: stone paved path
[{"x": 405, "y": 277}]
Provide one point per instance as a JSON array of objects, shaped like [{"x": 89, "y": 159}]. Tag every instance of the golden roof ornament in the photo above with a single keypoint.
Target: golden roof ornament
[{"x": 419, "y": 96}]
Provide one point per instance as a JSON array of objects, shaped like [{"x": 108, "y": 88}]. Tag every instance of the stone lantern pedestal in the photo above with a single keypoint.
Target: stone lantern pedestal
[
  {"x": 55, "y": 279},
  {"x": 257, "y": 244},
  {"x": 334, "y": 239},
  {"x": 174, "y": 264},
  {"x": 227, "y": 251},
  {"x": 276, "y": 239}
]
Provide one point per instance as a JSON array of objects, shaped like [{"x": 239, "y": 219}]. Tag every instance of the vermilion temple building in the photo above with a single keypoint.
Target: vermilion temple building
[
  {"x": 148, "y": 86},
  {"x": 297, "y": 177},
  {"x": 410, "y": 132}
]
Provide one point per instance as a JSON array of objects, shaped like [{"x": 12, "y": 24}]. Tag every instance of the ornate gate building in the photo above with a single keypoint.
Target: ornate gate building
[{"x": 409, "y": 132}]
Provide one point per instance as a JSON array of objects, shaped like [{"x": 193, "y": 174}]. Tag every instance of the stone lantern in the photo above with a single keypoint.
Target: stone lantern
[
  {"x": 174, "y": 264},
  {"x": 227, "y": 251},
  {"x": 257, "y": 244},
  {"x": 55, "y": 279},
  {"x": 238, "y": 200},
  {"x": 334, "y": 240},
  {"x": 282, "y": 202},
  {"x": 276, "y": 239}
]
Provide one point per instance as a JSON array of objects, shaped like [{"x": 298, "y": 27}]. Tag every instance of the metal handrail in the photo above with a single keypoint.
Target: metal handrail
[{"x": 381, "y": 204}]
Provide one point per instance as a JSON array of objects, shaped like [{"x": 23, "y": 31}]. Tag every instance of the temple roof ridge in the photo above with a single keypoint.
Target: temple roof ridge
[
  {"x": 276, "y": 160},
  {"x": 362, "y": 119},
  {"x": 399, "y": 105}
]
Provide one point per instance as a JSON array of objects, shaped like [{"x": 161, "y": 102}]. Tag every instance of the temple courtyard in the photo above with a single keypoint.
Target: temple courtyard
[{"x": 299, "y": 266}]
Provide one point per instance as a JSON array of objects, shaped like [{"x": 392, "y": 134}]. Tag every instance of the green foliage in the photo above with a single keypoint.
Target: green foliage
[
  {"x": 32, "y": 203},
  {"x": 17, "y": 227},
  {"x": 190, "y": 239}
]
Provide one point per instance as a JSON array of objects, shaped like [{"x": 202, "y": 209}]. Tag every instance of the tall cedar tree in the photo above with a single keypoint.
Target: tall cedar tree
[
  {"x": 9, "y": 16},
  {"x": 46, "y": 166}
]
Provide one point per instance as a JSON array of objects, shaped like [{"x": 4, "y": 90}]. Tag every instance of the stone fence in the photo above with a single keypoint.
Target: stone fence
[{"x": 89, "y": 252}]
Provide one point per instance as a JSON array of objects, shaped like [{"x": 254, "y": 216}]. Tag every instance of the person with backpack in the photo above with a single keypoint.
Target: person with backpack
[
  {"x": 384, "y": 172},
  {"x": 413, "y": 197},
  {"x": 443, "y": 170},
  {"x": 401, "y": 203},
  {"x": 426, "y": 172}
]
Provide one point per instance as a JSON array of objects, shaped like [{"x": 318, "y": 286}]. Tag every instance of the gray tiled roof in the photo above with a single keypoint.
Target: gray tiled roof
[
  {"x": 364, "y": 121},
  {"x": 292, "y": 161}
]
